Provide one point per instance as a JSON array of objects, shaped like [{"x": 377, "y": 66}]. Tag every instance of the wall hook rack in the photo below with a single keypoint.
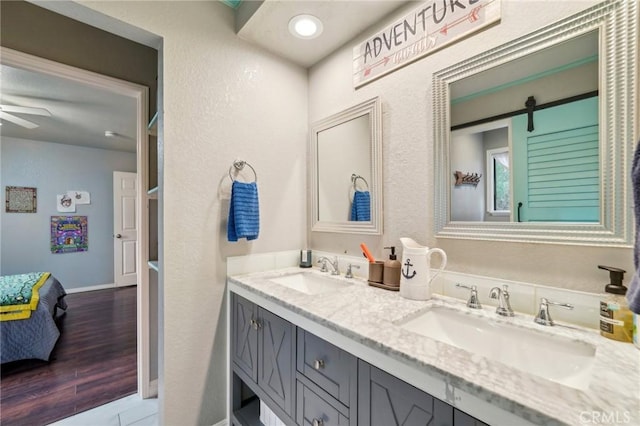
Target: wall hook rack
[{"x": 467, "y": 178}]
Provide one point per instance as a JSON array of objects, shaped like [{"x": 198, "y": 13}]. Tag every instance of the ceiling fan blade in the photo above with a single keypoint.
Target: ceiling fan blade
[
  {"x": 25, "y": 110},
  {"x": 17, "y": 120}
]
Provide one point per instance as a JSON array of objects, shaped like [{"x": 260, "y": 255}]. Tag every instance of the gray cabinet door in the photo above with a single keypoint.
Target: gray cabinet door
[
  {"x": 384, "y": 400},
  {"x": 463, "y": 419},
  {"x": 312, "y": 410},
  {"x": 244, "y": 336},
  {"x": 276, "y": 365},
  {"x": 328, "y": 366}
]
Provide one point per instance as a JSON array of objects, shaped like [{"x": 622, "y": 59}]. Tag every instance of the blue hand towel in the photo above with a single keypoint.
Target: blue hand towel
[
  {"x": 361, "y": 206},
  {"x": 633, "y": 294},
  {"x": 244, "y": 212}
]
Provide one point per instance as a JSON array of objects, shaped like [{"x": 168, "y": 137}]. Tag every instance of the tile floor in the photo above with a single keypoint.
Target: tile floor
[{"x": 129, "y": 411}]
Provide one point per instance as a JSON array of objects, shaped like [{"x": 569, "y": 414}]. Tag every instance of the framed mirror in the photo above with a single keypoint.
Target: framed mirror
[
  {"x": 345, "y": 166},
  {"x": 534, "y": 138}
]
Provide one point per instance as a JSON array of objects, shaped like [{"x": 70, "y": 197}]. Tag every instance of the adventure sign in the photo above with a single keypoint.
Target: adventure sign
[{"x": 428, "y": 28}]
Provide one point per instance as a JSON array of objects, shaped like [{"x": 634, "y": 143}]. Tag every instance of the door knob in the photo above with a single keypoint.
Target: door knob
[{"x": 118, "y": 236}]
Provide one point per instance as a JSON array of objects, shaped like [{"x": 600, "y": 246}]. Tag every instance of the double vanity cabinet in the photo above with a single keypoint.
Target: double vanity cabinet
[
  {"x": 306, "y": 380},
  {"x": 319, "y": 349}
]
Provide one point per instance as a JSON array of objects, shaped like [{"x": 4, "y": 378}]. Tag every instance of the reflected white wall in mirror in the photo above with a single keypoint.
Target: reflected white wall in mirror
[
  {"x": 343, "y": 151},
  {"x": 345, "y": 165},
  {"x": 476, "y": 149},
  {"x": 589, "y": 61}
]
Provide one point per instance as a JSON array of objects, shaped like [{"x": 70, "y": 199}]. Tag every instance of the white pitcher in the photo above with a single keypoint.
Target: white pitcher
[{"x": 416, "y": 273}]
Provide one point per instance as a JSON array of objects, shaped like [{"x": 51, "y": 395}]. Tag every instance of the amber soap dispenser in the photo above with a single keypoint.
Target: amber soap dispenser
[{"x": 616, "y": 319}]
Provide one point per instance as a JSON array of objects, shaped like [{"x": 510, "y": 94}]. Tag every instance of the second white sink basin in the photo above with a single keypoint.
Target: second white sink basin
[
  {"x": 549, "y": 356},
  {"x": 309, "y": 283}
]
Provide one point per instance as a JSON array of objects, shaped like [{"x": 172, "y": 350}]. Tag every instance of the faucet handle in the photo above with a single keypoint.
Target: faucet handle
[
  {"x": 349, "y": 274},
  {"x": 474, "y": 301},
  {"x": 543, "y": 317}
]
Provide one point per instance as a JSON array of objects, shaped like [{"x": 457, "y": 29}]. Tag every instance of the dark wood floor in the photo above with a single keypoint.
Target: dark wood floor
[{"x": 94, "y": 362}]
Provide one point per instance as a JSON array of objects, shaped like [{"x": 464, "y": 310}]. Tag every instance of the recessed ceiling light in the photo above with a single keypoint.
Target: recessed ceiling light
[{"x": 305, "y": 26}]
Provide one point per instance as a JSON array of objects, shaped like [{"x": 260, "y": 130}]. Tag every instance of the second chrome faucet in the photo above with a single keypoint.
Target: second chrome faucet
[
  {"x": 334, "y": 265},
  {"x": 504, "y": 307}
]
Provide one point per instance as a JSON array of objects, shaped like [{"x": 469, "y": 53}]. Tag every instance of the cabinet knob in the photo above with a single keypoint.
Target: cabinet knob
[
  {"x": 118, "y": 236},
  {"x": 255, "y": 324},
  {"x": 318, "y": 364},
  {"x": 317, "y": 422}
]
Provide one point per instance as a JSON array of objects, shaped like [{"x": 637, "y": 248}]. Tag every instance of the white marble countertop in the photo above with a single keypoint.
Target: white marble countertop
[{"x": 368, "y": 315}]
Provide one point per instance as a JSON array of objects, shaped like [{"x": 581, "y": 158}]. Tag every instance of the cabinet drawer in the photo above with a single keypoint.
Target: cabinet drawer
[
  {"x": 328, "y": 366},
  {"x": 313, "y": 410}
]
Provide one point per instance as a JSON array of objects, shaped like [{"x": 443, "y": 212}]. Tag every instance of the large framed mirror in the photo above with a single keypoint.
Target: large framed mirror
[
  {"x": 345, "y": 167},
  {"x": 533, "y": 139}
]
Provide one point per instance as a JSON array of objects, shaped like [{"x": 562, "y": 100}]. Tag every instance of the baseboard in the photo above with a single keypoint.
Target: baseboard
[
  {"x": 90, "y": 288},
  {"x": 222, "y": 423}
]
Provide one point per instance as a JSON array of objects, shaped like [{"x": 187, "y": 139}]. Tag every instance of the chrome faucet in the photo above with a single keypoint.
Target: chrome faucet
[
  {"x": 473, "y": 302},
  {"x": 349, "y": 274},
  {"x": 543, "y": 317},
  {"x": 334, "y": 265},
  {"x": 504, "y": 307}
]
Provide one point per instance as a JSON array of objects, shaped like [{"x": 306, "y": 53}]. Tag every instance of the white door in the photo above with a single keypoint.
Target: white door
[{"x": 125, "y": 229}]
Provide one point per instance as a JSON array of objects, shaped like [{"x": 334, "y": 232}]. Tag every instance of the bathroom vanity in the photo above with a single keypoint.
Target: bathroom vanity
[{"x": 350, "y": 354}]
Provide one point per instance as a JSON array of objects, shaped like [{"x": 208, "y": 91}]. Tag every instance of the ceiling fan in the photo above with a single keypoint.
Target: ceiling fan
[{"x": 5, "y": 111}]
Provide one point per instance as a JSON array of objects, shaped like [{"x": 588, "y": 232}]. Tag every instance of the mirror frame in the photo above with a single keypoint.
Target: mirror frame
[
  {"x": 373, "y": 227},
  {"x": 617, "y": 22}
]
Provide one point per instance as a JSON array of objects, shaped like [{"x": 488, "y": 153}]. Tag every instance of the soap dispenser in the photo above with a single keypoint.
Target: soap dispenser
[
  {"x": 391, "y": 271},
  {"x": 616, "y": 320}
]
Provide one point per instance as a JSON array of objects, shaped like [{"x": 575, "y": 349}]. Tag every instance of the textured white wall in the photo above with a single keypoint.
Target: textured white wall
[
  {"x": 406, "y": 96},
  {"x": 223, "y": 99}
]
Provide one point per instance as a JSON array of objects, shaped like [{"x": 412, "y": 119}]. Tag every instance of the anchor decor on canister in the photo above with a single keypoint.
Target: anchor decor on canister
[{"x": 416, "y": 274}]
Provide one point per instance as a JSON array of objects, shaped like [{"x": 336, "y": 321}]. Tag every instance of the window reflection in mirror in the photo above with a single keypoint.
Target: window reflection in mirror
[{"x": 540, "y": 164}]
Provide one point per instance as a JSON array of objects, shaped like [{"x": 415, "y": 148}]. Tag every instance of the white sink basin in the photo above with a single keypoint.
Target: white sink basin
[
  {"x": 552, "y": 357},
  {"x": 309, "y": 283}
]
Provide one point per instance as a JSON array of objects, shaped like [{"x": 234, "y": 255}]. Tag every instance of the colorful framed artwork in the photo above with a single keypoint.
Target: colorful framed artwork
[
  {"x": 21, "y": 199},
  {"x": 69, "y": 234}
]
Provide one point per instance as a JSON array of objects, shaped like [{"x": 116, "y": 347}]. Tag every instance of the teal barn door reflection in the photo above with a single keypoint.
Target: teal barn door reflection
[{"x": 556, "y": 167}]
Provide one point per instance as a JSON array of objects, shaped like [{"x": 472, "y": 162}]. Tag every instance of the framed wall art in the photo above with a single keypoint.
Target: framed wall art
[
  {"x": 69, "y": 234},
  {"x": 21, "y": 199}
]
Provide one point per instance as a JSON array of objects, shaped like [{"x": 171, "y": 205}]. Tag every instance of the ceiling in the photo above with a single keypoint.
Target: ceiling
[
  {"x": 268, "y": 26},
  {"x": 556, "y": 57},
  {"x": 81, "y": 114}
]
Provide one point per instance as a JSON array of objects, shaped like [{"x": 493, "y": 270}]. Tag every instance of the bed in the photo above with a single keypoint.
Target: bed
[{"x": 34, "y": 337}]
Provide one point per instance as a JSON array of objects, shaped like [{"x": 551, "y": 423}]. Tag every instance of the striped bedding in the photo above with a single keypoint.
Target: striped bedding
[{"x": 35, "y": 337}]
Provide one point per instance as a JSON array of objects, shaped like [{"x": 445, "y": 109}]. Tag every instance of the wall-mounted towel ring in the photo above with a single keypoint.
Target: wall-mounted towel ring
[
  {"x": 239, "y": 165},
  {"x": 354, "y": 180}
]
